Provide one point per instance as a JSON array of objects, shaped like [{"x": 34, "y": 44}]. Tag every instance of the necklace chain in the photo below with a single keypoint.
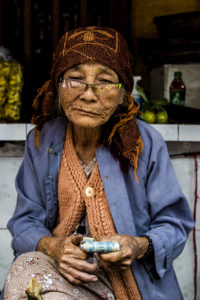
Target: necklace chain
[{"x": 88, "y": 168}]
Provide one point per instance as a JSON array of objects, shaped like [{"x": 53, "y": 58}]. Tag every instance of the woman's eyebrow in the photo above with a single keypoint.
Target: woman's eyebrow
[
  {"x": 101, "y": 70},
  {"x": 76, "y": 68},
  {"x": 106, "y": 71}
]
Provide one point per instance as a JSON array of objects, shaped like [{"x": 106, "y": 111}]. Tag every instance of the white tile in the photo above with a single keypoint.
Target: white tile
[
  {"x": 12, "y": 132},
  {"x": 184, "y": 170},
  {"x": 189, "y": 133},
  {"x": 184, "y": 264},
  {"x": 29, "y": 127},
  {"x": 198, "y": 263},
  {"x": 8, "y": 170},
  {"x": 184, "y": 268},
  {"x": 6, "y": 255},
  {"x": 168, "y": 132},
  {"x": 198, "y": 195}
]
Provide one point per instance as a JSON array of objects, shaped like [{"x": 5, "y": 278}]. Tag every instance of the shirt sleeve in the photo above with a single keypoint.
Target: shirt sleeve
[
  {"x": 171, "y": 218},
  {"x": 27, "y": 224}
]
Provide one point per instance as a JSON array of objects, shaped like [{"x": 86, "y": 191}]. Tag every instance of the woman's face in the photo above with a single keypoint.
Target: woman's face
[{"x": 91, "y": 106}]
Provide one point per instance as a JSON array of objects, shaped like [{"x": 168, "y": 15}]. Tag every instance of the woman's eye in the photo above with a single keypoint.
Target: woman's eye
[
  {"x": 105, "y": 81},
  {"x": 78, "y": 78}
]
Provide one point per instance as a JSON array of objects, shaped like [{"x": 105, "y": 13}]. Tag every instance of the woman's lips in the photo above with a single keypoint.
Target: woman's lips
[{"x": 86, "y": 112}]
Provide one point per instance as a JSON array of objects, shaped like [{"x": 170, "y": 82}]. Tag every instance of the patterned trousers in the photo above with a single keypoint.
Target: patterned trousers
[{"x": 55, "y": 287}]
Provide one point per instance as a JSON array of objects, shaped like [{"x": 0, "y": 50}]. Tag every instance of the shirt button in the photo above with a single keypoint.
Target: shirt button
[{"x": 89, "y": 191}]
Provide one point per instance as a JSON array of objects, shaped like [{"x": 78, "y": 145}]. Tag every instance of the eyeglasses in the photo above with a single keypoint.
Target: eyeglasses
[{"x": 98, "y": 88}]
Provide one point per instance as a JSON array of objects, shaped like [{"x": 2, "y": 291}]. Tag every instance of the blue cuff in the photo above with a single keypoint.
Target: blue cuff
[{"x": 28, "y": 240}]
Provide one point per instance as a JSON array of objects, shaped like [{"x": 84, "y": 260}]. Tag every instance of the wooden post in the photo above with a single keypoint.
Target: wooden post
[
  {"x": 124, "y": 20},
  {"x": 27, "y": 33},
  {"x": 113, "y": 14},
  {"x": 55, "y": 22},
  {"x": 83, "y": 14},
  {"x": 1, "y": 22},
  {"x": 26, "y": 107}
]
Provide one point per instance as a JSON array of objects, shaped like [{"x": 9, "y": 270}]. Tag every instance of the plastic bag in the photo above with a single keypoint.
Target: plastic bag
[{"x": 11, "y": 84}]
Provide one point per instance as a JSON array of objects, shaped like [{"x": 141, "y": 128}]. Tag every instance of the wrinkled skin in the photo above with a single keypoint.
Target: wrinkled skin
[
  {"x": 72, "y": 261},
  {"x": 131, "y": 248},
  {"x": 88, "y": 112}
]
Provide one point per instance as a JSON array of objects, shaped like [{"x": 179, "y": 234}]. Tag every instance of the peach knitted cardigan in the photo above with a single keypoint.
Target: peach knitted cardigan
[{"x": 77, "y": 195}]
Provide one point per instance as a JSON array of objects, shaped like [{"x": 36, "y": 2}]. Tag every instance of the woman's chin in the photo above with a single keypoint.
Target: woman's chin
[{"x": 86, "y": 122}]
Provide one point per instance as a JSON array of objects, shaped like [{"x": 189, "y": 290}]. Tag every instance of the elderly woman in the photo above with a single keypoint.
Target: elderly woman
[{"x": 90, "y": 168}]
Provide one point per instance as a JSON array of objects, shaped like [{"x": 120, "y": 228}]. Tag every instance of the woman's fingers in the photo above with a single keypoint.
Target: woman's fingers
[
  {"x": 122, "y": 264},
  {"x": 124, "y": 253},
  {"x": 71, "y": 278},
  {"x": 78, "y": 264},
  {"x": 112, "y": 256},
  {"x": 74, "y": 275},
  {"x": 77, "y": 270},
  {"x": 73, "y": 250},
  {"x": 76, "y": 238},
  {"x": 122, "y": 259},
  {"x": 73, "y": 264}
]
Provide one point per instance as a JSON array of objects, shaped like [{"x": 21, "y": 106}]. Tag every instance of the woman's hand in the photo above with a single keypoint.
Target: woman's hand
[
  {"x": 131, "y": 248},
  {"x": 70, "y": 258}
]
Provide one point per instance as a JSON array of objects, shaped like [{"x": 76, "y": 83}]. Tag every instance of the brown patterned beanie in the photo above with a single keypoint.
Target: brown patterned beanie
[{"x": 93, "y": 44}]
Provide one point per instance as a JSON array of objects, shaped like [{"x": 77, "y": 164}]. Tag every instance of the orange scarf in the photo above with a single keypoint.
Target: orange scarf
[{"x": 74, "y": 198}]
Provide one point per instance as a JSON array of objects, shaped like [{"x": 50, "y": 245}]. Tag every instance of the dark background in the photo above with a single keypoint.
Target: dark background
[{"x": 31, "y": 29}]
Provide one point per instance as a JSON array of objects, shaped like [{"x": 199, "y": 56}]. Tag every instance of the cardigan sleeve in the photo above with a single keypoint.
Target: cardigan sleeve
[
  {"x": 170, "y": 214},
  {"x": 27, "y": 224}
]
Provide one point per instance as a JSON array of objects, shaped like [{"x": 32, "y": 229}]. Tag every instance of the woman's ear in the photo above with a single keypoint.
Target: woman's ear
[
  {"x": 59, "y": 106},
  {"x": 122, "y": 96}
]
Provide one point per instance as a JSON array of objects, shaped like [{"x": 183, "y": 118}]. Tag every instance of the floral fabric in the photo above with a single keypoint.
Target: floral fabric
[{"x": 44, "y": 269}]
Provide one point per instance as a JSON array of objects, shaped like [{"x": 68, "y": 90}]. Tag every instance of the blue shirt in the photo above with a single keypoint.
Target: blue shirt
[{"x": 155, "y": 206}]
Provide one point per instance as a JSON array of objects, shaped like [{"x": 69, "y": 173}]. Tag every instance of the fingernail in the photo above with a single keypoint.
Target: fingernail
[
  {"x": 91, "y": 260},
  {"x": 94, "y": 279}
]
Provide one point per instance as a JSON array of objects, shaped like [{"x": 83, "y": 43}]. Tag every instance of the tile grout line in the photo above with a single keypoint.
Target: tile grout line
[{"x": 178, "y": 133}]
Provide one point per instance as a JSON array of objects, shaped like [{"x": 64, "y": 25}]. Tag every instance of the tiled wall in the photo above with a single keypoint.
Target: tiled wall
[
  {"x": 170, "y": 132},
  {"x": 8, "y": 170},
  {"x": 184, "y": 264}
]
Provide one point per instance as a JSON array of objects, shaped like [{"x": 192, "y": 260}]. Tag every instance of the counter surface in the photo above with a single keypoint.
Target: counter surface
[{"x": 170, "y": 132}]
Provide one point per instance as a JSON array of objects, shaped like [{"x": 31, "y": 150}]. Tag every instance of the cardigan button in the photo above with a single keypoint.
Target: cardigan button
[{"x": 89, "y": 191}]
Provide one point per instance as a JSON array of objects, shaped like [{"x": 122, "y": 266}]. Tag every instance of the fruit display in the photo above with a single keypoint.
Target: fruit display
[
  {"x": 149, "y": 116},
  {"x": 162, "y": 117},
  {"x": 11, "y": 84},
  {"x": 153, "y": 111}
]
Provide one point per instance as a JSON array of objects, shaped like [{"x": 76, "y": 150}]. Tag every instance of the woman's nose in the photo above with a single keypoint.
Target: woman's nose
[{"x": 89, "y": 95}]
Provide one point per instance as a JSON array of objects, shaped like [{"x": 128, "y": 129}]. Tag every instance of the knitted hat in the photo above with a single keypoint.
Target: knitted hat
[{"x": 93, "y": 44}]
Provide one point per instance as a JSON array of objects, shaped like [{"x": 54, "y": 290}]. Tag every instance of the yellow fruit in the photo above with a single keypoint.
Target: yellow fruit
[
  {"x": 161, "y": 117},
  {"x": 149, "y": 116}
]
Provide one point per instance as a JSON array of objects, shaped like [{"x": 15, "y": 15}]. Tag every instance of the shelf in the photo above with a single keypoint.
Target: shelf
[{"x": 170, "y": 132}]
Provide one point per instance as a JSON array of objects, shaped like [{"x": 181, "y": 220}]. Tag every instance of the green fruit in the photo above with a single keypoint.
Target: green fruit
[
  {"x": 161, "y": 117},
  {"x": 149, "y": 116}
]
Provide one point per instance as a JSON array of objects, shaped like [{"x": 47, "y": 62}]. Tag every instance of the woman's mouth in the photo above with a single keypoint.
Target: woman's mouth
[{"x": 86, "y": 112}]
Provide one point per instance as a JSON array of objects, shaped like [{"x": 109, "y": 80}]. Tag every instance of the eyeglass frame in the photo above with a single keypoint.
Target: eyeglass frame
[{"x": 89, "y": 85}]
